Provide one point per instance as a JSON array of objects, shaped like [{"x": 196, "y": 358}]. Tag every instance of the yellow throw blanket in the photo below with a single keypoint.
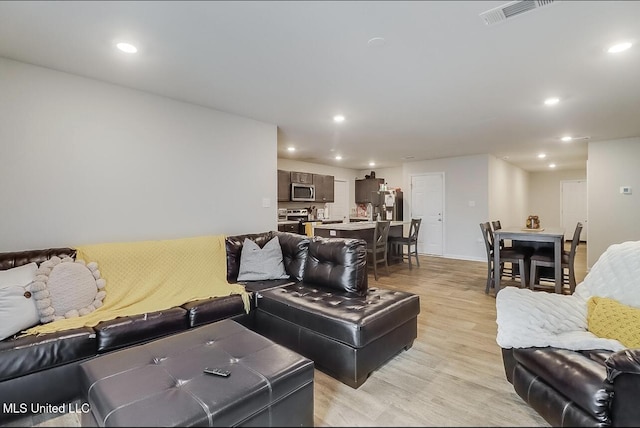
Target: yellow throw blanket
[{"x": 152, "y": 276}]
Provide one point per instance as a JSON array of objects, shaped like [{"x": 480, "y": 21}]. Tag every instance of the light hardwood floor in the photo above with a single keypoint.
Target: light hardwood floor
[{"x": 452, "y": 376}]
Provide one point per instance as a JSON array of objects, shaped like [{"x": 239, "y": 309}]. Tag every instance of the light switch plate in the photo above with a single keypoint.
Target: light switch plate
[
  {"x": 266, "y": 202},
  {"x": 625, "y": 190}
]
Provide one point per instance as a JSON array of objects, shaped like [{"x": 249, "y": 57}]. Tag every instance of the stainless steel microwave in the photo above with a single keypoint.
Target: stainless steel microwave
[{"x": 303, "y": 192}]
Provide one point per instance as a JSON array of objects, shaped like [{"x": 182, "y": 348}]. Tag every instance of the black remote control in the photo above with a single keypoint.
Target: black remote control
[{"x": 217, "y": 372}]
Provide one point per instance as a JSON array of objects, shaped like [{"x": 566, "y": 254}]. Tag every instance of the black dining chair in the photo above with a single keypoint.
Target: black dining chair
[
  {"x": 545, "y": 257},
  {"x": 378, "y": 249},
  {"x": 399, "y": 242},
  {"x": 507, "y": 255}
]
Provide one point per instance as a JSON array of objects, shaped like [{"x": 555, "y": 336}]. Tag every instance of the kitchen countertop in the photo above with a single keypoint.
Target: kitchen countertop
[
  {"x": 361, "y": 225},
  {"x": 309, "y": 221}
]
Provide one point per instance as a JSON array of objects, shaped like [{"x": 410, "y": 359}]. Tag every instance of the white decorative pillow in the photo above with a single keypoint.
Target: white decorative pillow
[
  {"x": 17, "y": 306},
  {"x": 258, "y": 264},
  {"x": 67, "y": 289}
]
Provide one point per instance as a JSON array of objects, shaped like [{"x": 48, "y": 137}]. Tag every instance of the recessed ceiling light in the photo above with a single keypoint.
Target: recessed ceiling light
[
  {"x": 566, "y": 138},
  {"x": 372, "y": 164},
  {"x": 338, "y": 118},
  {"x": 552, "y": 101},
  {"x": 127, "y": 47},
  {"x": 542, "y": 156},
  {"x": 552, "y": 165},
  {"x": 291, "y": 149},
  {"x": 505, "y": 157},
  {"x": 620, "y": 47},
  {"x": 338, "y": 157}
]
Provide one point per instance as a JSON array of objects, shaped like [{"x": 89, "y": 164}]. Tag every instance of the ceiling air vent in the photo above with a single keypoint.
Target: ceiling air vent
[{"x": 511, "y": 9}]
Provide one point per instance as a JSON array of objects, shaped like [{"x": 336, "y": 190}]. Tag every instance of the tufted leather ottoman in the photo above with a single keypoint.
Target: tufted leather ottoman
[
  {"x": 345, "y": 334},
  {"x": 161, "y": 383}
]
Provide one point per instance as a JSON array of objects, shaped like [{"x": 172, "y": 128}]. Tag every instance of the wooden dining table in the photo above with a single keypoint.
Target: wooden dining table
[{"x": 553, "y": 235}]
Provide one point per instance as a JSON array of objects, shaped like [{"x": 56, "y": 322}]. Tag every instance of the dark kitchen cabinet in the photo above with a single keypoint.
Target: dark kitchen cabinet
[
  {"x": 284, "y": 186},
  {"x": 292, "y": 228},
  {"x": 324, "y": 187},
  {"x": 301, "y": 177},
  {"x": 364, "y": 188}
]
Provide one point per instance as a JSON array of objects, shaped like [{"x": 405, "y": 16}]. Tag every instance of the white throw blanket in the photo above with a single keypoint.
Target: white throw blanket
[{"x": 537, "y": 319}]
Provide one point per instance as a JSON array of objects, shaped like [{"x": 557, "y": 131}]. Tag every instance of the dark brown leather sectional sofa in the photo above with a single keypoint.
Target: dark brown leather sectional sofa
[
  {"x": 364, "y": 328},
  {"x": 43, "y": 369}
]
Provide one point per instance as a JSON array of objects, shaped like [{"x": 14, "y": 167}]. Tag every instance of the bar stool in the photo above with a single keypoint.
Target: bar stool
[
  {"x": 379, "y": 248},
  {"x": 400, "y": 241}
]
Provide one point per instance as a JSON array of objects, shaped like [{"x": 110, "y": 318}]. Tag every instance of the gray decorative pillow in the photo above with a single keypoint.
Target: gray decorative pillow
[{"x": 258, "y": 264}]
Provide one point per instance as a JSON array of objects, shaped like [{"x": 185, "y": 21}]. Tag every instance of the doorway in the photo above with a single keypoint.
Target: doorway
[
  {"x": 339, "y": 209},
  {"x": 427, "y": 203},
  {"x": 573, "y": 195}
]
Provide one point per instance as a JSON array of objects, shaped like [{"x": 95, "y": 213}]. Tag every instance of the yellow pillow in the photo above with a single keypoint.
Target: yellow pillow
[{"x": 611, "y": 319}]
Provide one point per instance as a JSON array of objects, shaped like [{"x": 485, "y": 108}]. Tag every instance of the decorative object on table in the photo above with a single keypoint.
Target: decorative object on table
[{"x": 533, "y": 222}]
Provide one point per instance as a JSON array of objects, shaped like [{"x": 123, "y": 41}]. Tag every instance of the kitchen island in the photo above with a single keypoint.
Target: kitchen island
[{"x": 361, "y": 230}]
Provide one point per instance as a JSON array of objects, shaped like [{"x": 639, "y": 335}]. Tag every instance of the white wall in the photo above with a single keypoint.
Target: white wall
[
  {"x": 507, "y": 193},
  {"x": 82, "y": 161},
  {"x": 392, "y": 176},
  {"x": 545, "y": 196},
  {"x": 613, "y": 217},
  {"x": 466, "y": 179},
  {"x": 345, "y": 174}
]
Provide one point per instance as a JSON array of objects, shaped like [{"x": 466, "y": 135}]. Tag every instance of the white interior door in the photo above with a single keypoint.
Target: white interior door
[
  {"x": 339, "y": 209},
  {"x": 427, "y": 202},
  {"x": 574, "y": 207}
]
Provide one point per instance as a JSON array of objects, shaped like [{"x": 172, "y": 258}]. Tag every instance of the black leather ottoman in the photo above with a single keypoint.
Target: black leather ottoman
[
  {"x": 346, "y": 335},
  {"x": 162, "y": 383}
]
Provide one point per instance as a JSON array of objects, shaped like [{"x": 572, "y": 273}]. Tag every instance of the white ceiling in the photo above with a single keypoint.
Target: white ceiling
[{"x": 444, "y": 84}]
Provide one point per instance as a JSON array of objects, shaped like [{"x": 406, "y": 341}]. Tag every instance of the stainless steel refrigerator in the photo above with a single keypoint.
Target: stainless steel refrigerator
[{"x": 387, "y": 203}]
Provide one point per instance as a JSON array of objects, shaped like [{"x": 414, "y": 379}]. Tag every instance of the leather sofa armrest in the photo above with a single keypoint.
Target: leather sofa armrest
[
  {"x": 626, "y": 361},
  {"x": 623, "y": 376}
]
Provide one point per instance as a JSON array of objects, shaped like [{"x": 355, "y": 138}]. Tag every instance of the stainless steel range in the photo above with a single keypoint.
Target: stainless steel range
[{"x": 298, "y": 214}]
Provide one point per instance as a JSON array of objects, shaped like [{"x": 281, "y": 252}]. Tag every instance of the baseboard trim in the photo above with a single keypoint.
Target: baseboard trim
[
  {"x": 468, "y": 258},
  {"x": 456, "y": 257}
]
